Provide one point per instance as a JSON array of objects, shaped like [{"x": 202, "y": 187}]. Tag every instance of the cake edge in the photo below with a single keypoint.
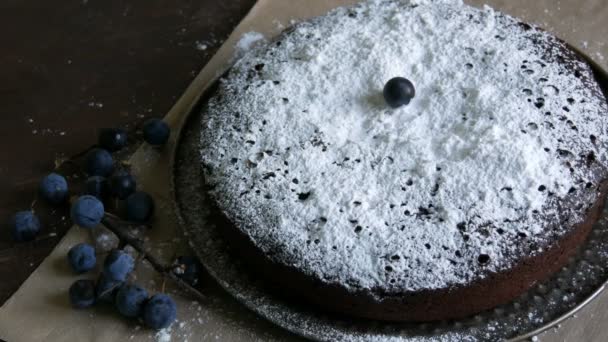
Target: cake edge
[{"x": 429, "y": 305}]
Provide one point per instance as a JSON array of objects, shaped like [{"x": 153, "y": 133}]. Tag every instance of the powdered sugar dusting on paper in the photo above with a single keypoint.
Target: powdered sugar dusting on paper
[
  {"x": 303, "y": 154},
  {"x": 163, "y": 335},
  {"x": 247, "y": 42}
]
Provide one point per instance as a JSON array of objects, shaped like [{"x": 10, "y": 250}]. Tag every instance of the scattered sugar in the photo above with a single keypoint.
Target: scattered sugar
[
  {"x": 201, "y": 46},
  {"x": 278, "y": 24},
  {"x": 340, "y": 186},
  {"x": 163, "y": 335},
  {"x": 248, "y": 41},
  {"x": 95, "y": 104}
]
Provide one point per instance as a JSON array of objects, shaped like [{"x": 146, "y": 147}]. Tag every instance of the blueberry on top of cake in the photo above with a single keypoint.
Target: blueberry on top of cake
[{"x": 494, "y": 164}]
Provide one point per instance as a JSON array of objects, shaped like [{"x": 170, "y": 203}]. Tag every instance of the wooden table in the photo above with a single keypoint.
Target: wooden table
[{"x": 69, "y": 67}]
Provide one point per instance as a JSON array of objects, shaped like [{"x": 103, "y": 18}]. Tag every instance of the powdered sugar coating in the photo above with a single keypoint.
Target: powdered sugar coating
[{"x": 302, "y": 154}]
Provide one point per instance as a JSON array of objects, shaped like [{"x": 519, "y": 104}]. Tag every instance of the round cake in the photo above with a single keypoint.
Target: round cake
[{"x": 483, "y": 185}]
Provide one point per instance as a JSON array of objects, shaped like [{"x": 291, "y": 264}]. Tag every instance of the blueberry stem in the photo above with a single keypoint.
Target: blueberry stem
[
  {"x": 119, "y": 220},
  {"x": 110, "y": 289},
  {"x": 73, "y": 162},
  {"x": 82, "y": 153},
  {"x": 158, "y": 266}
]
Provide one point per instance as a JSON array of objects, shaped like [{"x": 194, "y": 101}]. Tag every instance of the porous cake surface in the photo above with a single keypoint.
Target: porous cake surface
[{"x": 498, "y": 156}]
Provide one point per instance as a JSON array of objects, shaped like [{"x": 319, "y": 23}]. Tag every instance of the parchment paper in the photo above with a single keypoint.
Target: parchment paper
[{"x": 40, "y": 310}]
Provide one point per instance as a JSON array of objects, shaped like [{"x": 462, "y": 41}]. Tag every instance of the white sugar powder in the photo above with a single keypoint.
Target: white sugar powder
[
  {"x": 307, "y": 158},
  {"x": 163, "y": 335},
  {"x": 248, "y": 41}
]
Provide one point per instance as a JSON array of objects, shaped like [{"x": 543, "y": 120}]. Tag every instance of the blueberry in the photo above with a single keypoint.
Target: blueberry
[
  {"x": 97, "y": 186},
  {"x": 130, "y": 300},
  {"x": 106, "y": 288},
  {"x": 160, "y": 311},
  {"x": 82, "y": 293},
  {"x": 87, "y": 211},
  {"x": 24, "y": 226},
  {"x": 118, "y": 265},
  {"x": 140, "y": 207},
  {"x": 99, "y": 162},
  {"x": 122, "y": 184},
  {"x": 112, "y": 139},
  {"x": 82, "y": 257},
  {"x": 54, "y": 188},
  {"x": 188, "y": 268},
  {"x": 398, "y": 91},
  {"x": 156, "y": 132}
]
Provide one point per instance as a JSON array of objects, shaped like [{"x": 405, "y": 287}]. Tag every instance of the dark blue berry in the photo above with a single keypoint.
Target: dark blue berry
[
  {"x": 156, "y": 132},
  {"x": 87, "y": 211},
  {"x": 82, "y": 293},
  {"x": 54, "y": 188},
  {"x": 99, "y": 162},
  {"x": 140, "y": 207},
  {"x": 130, "y": 300},
  {"x": 122, "y": 184},
  {"x": 82, "y": 257},
  {"x": 188, "y": 268},
  {"x": 25, "y": 226},
  {"x": 160, "y": 311},
  {"x": 97, "y": 186},
  {"x": 399, "y": 91},
  {"x": 112, "y": 139},
  {"x": 107, "y": 288},
  {"x": 118, "y": 265}
]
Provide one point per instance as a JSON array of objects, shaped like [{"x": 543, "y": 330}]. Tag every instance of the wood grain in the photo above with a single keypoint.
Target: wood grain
[{"x": 71, "y": 67}]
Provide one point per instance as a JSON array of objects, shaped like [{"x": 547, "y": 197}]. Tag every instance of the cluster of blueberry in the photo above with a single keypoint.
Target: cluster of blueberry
[
  {"x": 88, "y": 211},
  {"x": 130, "y": 299}
]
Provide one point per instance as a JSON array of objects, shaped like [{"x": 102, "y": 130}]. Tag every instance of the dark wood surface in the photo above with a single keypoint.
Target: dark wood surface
[{"x": 70, "y": 67}]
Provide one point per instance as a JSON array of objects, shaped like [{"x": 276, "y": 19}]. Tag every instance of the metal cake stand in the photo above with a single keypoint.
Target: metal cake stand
[{"x": 541, "y": 308}]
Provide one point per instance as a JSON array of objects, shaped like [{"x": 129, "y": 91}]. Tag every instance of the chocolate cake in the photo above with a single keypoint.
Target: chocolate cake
[{"x": 483, "y": 185}]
